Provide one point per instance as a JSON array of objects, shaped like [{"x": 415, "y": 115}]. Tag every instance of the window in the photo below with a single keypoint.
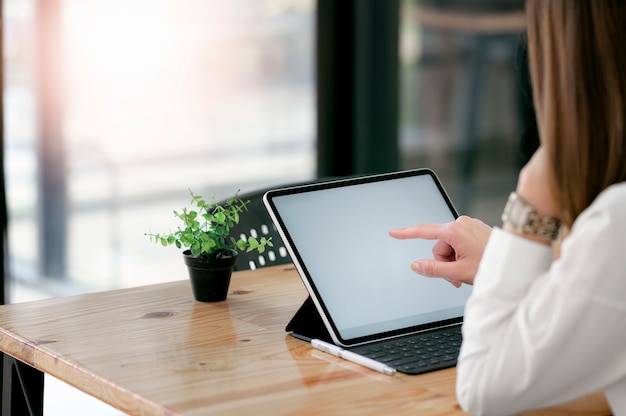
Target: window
[
  {"x": 463, "y": 97},
  {"x": 143, "y": 100}
]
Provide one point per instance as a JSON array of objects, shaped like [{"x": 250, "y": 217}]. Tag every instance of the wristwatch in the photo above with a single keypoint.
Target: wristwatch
[{"x": 524, "y": 219}]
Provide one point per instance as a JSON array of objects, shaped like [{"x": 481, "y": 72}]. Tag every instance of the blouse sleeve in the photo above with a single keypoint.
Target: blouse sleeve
[{"x": 539, "y": 332}]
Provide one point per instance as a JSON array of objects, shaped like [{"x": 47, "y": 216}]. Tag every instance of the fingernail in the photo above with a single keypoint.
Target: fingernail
[{"x": 416, "y": 267}]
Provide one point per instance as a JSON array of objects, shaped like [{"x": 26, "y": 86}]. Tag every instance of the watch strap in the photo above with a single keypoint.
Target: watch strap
[{"x": 525, "y": 219}]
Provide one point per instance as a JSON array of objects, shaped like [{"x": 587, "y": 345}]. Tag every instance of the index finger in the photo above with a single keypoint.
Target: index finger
[{"x": 424, "y": 231}]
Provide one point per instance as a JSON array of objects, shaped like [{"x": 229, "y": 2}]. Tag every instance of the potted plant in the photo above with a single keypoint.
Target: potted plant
[{"x": 210, "y": 251}]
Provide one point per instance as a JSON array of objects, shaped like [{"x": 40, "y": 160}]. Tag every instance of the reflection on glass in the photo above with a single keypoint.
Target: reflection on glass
[{"x": 460, "y": 97}]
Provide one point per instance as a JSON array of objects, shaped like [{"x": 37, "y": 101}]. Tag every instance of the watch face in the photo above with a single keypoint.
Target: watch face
[{"x": 518, "y": 213}]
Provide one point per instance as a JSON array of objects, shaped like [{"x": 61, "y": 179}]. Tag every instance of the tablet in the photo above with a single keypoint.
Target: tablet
[{"x": 358, "y": 277}]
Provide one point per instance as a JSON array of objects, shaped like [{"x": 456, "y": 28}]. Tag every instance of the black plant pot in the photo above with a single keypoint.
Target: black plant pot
[{"x": 209, "y": 278}]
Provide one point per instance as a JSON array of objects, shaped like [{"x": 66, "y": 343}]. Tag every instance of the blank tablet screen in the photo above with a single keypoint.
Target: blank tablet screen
[{"x": 338, "y": 233}]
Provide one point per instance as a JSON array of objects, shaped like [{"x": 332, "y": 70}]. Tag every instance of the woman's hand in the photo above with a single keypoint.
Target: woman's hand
[{"x": 456, "y": 254}]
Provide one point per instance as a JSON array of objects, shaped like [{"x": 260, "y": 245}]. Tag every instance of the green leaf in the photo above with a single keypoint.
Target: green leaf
[
  {"x": 241, "y": 245},
  {"x": 195, "y": 249},
  {"x": 252, "y": 244},
  {"x": 187, "y": 239},
  {"x": 220, "y": 217},
  {"x": 208, "y": 245}
]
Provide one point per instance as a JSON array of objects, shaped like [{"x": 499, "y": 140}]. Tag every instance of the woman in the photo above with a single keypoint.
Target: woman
[{"x": 545, "y": 326}]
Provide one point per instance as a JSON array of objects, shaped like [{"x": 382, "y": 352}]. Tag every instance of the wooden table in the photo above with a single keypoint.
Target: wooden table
[{"x": 153, "y": 350}]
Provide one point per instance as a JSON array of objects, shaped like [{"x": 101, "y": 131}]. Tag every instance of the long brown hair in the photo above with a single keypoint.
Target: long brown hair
[{"x": 577, "y": 55}]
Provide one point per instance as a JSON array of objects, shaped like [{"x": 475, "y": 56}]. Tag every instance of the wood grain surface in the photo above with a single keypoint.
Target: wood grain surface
[{"x": 153, "y": 350}]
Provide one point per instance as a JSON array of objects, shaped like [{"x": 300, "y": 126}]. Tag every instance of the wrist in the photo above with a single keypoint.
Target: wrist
[
  {"x": 522, "y": 218},
  {"x": 511, "y": 230}
]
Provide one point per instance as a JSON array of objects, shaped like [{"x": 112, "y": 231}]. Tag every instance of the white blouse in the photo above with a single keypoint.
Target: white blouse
[{"x": 538, "y": 332}]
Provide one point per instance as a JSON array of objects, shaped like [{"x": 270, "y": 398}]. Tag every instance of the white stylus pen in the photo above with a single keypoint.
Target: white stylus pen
[{"x": 352, "y": 357}]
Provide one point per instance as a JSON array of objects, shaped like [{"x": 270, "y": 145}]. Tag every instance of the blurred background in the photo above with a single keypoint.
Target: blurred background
[{"x": 114, "y": 109}]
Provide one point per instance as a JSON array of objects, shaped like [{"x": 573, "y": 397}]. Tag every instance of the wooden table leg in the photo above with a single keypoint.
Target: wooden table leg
[{"x": 22, "y": 388}]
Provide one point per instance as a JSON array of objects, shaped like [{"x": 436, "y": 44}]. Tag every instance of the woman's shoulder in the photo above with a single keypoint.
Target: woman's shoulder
[
  {"x": 606, "y": 214},
  {"x": 612, "y": 199},
  {"x": 593, "y": 251}
]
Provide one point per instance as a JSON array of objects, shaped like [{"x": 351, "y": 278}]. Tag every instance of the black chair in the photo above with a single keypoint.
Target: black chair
[{"x": 256, "y": 222}]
